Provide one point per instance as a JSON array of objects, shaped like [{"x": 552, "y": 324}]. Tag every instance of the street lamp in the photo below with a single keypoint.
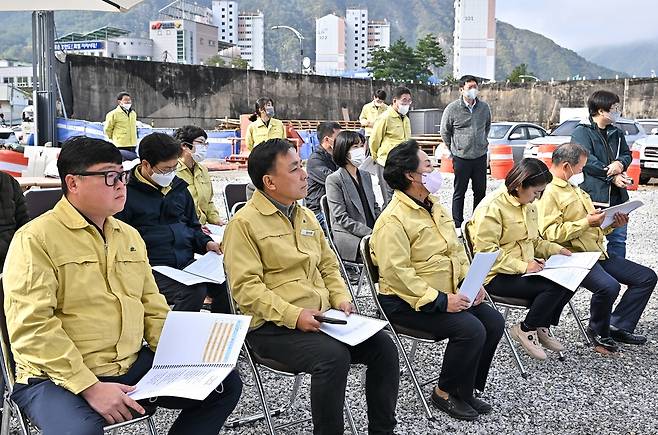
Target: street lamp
[
  {"x": 301, "y": 45},
  {"x": 528, "y": 77}
]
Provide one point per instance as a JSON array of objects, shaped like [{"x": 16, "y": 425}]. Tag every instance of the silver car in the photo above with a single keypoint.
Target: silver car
[
  {"x": 516, "y": 134},
  {"x": 562, "y": 134}
]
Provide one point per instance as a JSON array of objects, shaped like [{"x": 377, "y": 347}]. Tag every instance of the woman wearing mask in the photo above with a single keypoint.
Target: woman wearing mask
[
  {"x": 352, "y": 205},
  {"x": 194, "y": 147},
  {"x": 506, "y": 220},
  {"x": 264, "y": 125},
  {"x": 421, "y": 266}
]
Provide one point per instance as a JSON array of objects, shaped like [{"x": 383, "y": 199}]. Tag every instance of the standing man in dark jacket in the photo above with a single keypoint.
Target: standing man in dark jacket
[
  {"x": 319, "y": 166},
  {"x": 13, "y": 213},
  {"x": 465, "y": 126},
  {"x": 161, "y": 208},
  {"x": 608, "y": 159}
]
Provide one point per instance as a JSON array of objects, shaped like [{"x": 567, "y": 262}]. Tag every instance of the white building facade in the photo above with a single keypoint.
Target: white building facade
[
  {"x": 356, "y": 38},
  {"x": 379, "y": 35},
  {"x": 475, "y": 38},
  {"x": 225, "y": 17},
  {"x": 16, "y": 75},
  {"x": 330, "y": 45},
  {"x": 183, "y": 41},
  {"x": 251, "y": 38}
]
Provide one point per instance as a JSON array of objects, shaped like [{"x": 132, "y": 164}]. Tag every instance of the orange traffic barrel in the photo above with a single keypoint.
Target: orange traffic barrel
[
  {"x": 634, "y": 170},
  {"x": 545, "y": 153},
  {"x": 12, "y": 162},
  {"x": 446, "y": 163},
  {"x": 501, "y": 161}
]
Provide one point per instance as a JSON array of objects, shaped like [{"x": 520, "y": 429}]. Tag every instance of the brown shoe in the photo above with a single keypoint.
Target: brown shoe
[
  {"x": 547, "y": 340},
  {"x": 529, "y": 341}
]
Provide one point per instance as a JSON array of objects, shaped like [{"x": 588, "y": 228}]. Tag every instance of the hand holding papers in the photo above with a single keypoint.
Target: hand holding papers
[
  {"x": 568, "y": 271},
  {"x": 195, "y": 353},
  {"x": 625, "y": 208},
  {"x": 357, "y": 330},
  {"x": 477, "y": 273},
  {"x": 209, "y": 268},
  {"x": 216, "y": 232}
]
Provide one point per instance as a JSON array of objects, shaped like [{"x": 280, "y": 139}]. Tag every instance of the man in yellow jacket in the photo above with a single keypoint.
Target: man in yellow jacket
[
  {"x": 283, "y": 273},
  {"x": 371, "y": 111},
  {"x": 390, "y": 128},
  {"x": 421, "y": 266},
  {"x": 567, "y": 216},
  {"x": 121, "y": 126},
  {"x": 80, "y": 299}
]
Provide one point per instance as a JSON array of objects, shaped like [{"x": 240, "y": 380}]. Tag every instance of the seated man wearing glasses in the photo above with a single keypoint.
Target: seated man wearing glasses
[
  {"x": 161, "y": 208},
  {"x": 80, "y": 300}
]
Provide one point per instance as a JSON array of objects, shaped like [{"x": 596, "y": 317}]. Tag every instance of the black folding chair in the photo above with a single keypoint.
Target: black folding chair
[
  {"x": 234, "y": 193},
  {"x": 39, "y": 201},
  {"x": 255, "y": 361},
  {"x": 398, "y": 331},
  {"x": 508, "y": 303},
  {"x": 10, "y": 408},
  {"x": 324, "y": 205}
]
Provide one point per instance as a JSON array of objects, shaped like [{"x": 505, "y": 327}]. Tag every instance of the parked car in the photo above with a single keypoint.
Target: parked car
[
  {"x": 650, "y": 125},
  {"x": 562, "y": 134},
  {"x": 516, "y": 134},
  {"x": 7, "y": 135},
  {"x": 648, "y": 148}
]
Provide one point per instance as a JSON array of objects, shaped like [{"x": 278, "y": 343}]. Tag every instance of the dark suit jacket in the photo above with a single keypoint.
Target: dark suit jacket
[{"x": 347, "y": 216}]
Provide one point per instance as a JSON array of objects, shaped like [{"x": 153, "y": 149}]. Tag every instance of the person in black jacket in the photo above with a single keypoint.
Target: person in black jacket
[
  {"x": 161, "y": 208},
  {"x": 13, "y": 212},
  {"x": 608, "y": 159},
  {"x": 319, "y": 166}
]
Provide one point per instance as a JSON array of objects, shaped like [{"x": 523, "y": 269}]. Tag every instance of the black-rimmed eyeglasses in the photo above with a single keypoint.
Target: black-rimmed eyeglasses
[{"x": 111, "y": 177}]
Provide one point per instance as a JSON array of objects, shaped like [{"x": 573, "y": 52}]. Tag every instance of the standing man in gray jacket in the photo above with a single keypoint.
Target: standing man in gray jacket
[{"x": 464, "y": 128}]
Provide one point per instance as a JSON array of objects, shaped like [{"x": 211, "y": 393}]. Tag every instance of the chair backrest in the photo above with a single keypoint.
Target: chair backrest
[
  {"x": 234, "y": 193},
  {"x": 324, "y": 206},
  {"x": 237, "y": 206},
  {"x": 6, "y": 357},
  {"x": 372, "y": 274},
  {"x": 468, "y": 244},
  {"x": 39, "y": 201}
]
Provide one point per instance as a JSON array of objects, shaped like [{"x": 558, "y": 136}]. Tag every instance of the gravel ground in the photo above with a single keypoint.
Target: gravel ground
[{"x": 585, "y": 394}]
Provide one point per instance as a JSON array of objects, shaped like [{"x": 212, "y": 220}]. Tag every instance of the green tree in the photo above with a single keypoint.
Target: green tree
[
  {"x": 240, "y": 63},
  {"x": 215, "y": 60},
  {"x": 517, "y": 72},
  {"x": 430, "y": 52}
]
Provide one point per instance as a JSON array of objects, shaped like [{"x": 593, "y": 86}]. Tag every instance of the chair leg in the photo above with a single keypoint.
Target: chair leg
[
  {"x": 151, "y": 426},
  {"x": 362, "y": 276},
  {"x": 412, "y": 353},
  {"x": 508, "y": 338},
  {"x": 579, "y": 322},
  {"x": 6, "y": 417},
  {"x": 350, "y": 419},
  {"x": 414, "y": 380},
  {"x": 560, "y": 354}
]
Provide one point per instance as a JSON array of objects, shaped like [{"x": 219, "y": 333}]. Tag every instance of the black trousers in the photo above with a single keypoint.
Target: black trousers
[
  {"x": 57, "y": 411},
  {"x": 473, "y": 336},
  {"x": 190, "y": 297},
  {"x": 328, "y": 361},
  {"x": 548, "y": 298},
  {"x": 474, "y": 170}
]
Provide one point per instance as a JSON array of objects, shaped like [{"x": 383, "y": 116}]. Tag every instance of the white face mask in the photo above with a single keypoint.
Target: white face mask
[
  {"x": 614, "y": 116},
  {"x": 432, "y": 181},
  {"x": 576, "y": 179},
  {"x": 471, "y": 94},
  {"x": 163, "y": 180},
  {"x": 199, "y": 153},
  {"x": 403, "y": 109},
  {"x": 126, "y": 106},
  {"x": 356, "y": 156}
]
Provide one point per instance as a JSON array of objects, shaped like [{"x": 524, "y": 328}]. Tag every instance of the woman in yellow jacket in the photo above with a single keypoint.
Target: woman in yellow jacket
[
  {"x": 421, "y": 266},
  {"x": 506, "y": 220},
  {"x": 264, "y": 125}
]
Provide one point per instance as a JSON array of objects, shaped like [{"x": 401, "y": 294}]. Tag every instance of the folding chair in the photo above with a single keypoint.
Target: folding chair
[
  {"x": 10, "y": 408},
  {"x": 324, "y": 205},
  {"x": 255, "y": 361},
  {"x": 39, "y": 201},
  {"x": 398, "y": 331},
  {"x": 513, "y": 304},
  {"x": 234, "y": 193}
]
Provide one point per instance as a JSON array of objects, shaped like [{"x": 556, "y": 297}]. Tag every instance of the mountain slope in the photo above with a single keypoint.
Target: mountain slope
[
  {"x": 410, "y": 19},
  {"x": 637, "y": 58}
]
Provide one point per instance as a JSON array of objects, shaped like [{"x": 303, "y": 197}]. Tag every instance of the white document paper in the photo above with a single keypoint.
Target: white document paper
[
  {"x": 625, "y": 208},
  {"x": 369, "y": 165},
  {"x": 216, "y": 232},
  {"x": 568, "y": 271},
  {"x": 208, "y": 268},
  {"x": 195, "y": 354},
  {"x": 477, "y": 273},
  {"x": 358, "y": 329}
]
